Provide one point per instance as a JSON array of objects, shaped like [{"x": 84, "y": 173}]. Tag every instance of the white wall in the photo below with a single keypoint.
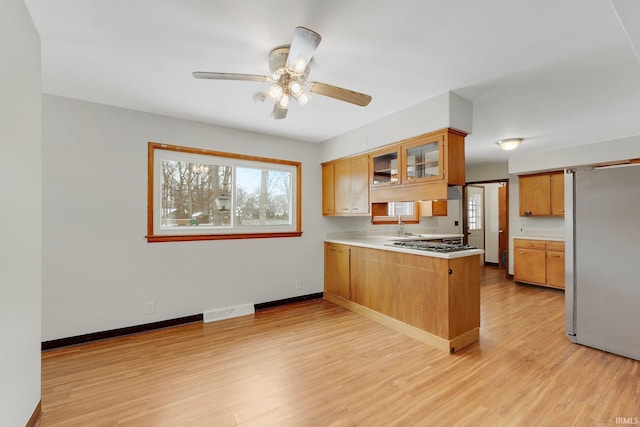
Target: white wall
[
  {"x": 588, "y": 154},
  {"x": 487, "y": 172},
  {"x": 446, "y": 110},
  {"x": 99, "y": 270},
  {"x": 20, "y": 214}
]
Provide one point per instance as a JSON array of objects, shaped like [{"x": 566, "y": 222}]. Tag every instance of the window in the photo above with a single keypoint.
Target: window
[
  {"x": 475, "y": 211},
  {"x": 199, "y": 194},
  {"x": 391, "y": 212}
]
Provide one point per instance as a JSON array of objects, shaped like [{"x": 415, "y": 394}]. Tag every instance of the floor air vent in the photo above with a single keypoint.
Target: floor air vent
[{"x": 227, "y": 313}]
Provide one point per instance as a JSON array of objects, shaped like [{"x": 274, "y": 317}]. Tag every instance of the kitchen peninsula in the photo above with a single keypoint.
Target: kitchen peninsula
[{"x": 430, "y": 295}]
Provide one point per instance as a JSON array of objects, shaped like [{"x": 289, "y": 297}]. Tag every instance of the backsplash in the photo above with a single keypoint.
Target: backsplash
[{"x": 538, "y": 227}]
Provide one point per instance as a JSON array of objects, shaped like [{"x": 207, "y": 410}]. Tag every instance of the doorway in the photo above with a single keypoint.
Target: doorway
[{"x": 486, "y": 219}]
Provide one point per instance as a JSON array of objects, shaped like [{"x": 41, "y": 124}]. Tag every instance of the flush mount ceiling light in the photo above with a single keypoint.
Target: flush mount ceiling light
[{"x": 509, "y": 144}]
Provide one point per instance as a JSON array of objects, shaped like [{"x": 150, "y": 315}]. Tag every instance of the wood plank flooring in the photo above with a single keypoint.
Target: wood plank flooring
[{"x": 317, "y": 364}]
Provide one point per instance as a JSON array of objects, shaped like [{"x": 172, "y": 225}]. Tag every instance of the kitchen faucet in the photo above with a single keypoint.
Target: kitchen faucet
[{"x": 401, "y": 225}]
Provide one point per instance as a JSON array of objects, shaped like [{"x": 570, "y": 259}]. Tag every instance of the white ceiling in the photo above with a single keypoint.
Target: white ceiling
[{"x": 557, "y": 73}]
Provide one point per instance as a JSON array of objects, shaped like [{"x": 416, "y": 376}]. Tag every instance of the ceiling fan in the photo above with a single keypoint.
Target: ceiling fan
[{"x": 290, "y": 66}]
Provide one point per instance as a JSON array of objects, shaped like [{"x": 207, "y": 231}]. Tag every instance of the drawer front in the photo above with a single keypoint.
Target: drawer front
[
  {"x": 529, "y": 244},
  {"x": 555, "y": 246}
]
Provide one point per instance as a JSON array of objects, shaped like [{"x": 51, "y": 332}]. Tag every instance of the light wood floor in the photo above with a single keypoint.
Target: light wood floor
[{"x": 317, "y": 364}]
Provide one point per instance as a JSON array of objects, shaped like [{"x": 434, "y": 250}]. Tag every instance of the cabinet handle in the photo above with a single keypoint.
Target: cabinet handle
[
  {"x": 554, "y": 256},
  {"x": 355, "y": 209},
  {"x": 345, "y": 209}
]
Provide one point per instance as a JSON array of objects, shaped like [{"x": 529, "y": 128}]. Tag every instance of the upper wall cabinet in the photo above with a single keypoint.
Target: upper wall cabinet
[
  {"x": 328, "y": 189},
  {"x": 384, "y": 167},
  {"x": 542, "y": 194},
  {"x": 419, "y": 168},
  {"x": 345, "y": 186}
]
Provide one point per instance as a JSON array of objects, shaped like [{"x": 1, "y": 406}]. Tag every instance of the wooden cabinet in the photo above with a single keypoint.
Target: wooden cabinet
[
  {"x": 422, "y": 159},
  {"x": 557, "y": 194},
  {"x": 433, "y": 208},
  {"x": 542, "y": 194},
  {"x": 529, "y": 262},
  {"x": 555, "y": 265},
  {"x": 345, "y": 186},
  {"x": 328, "y": 189},
  {"x": 435, "y": 300},
  {"x": 539, "y": 262},
  {"x": 419, "y": 168},
  {"x": 336, "y": 269},
  {"x": 384, "y": 167}
]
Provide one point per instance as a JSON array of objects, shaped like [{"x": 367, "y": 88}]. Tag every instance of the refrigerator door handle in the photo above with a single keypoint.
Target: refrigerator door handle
[{"x": 570, "y": 282}]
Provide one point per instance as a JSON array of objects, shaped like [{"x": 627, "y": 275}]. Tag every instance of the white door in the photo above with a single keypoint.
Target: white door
[{"x": 475, "y": 215}]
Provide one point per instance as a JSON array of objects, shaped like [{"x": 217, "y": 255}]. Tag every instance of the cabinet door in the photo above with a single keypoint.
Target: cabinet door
[
  {"x": 336, "y": 269},
  {"x": 530, "y": 266},
  {"x": 360, "y": 185},
  {"x": 423, "y": 160},
  {"x": 433, "y": 208},
  {"x": 535, "y": 199},
  {"x": 384, "y": 168},
  {"x": 328, "y": 189},
  {"x": 555, "y": 269},
  {"x": 342, "y": 186},
  {"x": 557, "y": 194}
]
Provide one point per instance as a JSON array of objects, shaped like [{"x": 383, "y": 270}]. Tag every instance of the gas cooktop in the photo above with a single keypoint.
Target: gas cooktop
[{"x": 425, "y": 245}]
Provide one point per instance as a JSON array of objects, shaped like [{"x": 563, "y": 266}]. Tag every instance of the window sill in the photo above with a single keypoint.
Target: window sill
[{"x": 196, "y": 237}]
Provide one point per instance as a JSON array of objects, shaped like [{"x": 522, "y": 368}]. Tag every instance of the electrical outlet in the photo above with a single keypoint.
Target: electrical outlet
[
  {"x": 298, "y": 284},
  {"x": 150, "y": 307}
]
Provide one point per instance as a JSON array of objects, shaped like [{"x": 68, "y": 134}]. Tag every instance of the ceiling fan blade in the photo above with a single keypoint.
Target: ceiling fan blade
[
  {"x": 303, "y": 46},
  {"x": 339, "y": 93},
  {"x": 279, "y": 112},
  {"x": 231, "y": 76}
]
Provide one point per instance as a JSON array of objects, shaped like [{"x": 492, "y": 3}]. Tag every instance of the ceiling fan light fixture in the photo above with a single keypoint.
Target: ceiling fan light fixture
[
  {"x": 509, "y": 144},
  {"x": 303, "y": 98},
  {"x": 275, "y": 92},
  {"x": 284, "y": 101},
  {"x": 296, "y": 88},
  {"x": 300, "y": 65}
]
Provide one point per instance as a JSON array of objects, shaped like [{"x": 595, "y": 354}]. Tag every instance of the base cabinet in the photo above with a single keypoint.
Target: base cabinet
[
  {"x": 436, "y": 300},
  {"x": 539, "y": 262},
  {"x": 336, "y": 269},
  {"x": 555, "y": 265}
]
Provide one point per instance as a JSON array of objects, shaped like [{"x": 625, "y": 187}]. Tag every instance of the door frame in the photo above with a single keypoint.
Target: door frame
[{"x": 465, "y": 215}]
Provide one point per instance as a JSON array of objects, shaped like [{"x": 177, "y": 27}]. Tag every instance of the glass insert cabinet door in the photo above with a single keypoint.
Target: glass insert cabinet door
[
  {"x": 422, "y": 161},
  {"x": 385, "y": 168}
]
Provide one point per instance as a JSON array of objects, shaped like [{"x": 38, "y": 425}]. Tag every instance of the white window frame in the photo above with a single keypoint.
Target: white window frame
[{"x": 156, "y": 232}]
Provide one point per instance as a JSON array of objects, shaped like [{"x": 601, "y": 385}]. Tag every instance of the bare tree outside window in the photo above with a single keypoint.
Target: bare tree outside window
[
  {"x": 263, "y": 196},
  {"x": 189, "y": 192}
]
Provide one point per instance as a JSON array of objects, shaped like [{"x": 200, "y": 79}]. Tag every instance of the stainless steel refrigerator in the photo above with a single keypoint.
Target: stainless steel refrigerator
[{"x": 602, "y": 223}]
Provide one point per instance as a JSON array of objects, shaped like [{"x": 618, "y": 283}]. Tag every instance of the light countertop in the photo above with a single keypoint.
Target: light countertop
[
  {"x": 378, "y": 242},
  {"x": 551, "y": 239}
]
